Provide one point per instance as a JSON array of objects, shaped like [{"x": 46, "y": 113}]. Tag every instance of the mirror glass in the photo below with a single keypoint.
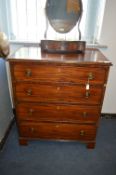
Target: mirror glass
[{"x": 63, "y": 15}]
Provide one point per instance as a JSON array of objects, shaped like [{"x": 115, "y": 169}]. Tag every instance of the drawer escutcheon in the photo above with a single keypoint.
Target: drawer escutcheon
[
  {"x": 29, "y": 92},
  {"x": 28, "y": 73},
  {"x": 90, "y": 76}
]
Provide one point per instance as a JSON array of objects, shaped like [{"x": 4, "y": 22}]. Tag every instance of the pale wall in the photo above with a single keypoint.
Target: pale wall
[{"x": 108, "y": 37}]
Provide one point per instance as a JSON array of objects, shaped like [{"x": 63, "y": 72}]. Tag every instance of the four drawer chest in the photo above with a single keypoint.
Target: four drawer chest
[{"x": 58, "y": 96}]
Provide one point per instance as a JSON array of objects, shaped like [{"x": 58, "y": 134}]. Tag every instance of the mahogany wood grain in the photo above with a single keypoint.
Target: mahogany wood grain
[
  {"x": 58, "y": 93},
  {"x": 49, "y": 73},
  {"x": 57, "y": 131},
  {"x": 57, "y": 112}
]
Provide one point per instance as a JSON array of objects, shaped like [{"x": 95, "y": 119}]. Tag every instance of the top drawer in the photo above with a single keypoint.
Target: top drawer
[{"x": 57, "y": 73}]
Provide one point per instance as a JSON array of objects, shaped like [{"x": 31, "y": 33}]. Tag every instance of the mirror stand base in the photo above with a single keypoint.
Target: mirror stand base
[{"x": 62, "y": 47}]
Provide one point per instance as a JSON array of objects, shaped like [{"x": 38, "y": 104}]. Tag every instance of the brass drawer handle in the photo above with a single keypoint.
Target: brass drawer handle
[
  {"x": 28, "y": 73},
  {"x": 87, "y": 94},
  {"x": 82, "y": 133},
  {"x": 29, "y": 92},
  {"x": 90, "y": 76}
]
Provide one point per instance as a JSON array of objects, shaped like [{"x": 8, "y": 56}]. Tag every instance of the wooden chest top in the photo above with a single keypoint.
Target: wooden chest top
[{"x": 90, "y": 57}]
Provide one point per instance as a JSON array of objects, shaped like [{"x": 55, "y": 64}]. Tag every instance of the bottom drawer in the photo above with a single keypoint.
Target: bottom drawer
[{"x": 57, "y": 131}]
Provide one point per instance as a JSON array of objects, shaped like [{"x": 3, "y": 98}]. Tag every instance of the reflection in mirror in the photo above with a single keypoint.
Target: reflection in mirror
[{"x": 63, "y": 15}]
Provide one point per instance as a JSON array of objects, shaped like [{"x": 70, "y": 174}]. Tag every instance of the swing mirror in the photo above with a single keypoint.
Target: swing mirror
[{"x": 63, "y": 15}]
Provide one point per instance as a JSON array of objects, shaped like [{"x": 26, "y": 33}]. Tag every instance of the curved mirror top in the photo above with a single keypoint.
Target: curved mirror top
[{"x": 63, "y": 14}]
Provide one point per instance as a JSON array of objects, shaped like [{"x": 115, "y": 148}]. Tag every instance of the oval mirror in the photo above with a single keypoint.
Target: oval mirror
[{"x": 63, "y": 14}]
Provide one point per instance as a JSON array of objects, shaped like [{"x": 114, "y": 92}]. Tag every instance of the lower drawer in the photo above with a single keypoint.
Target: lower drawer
[
  {"x": 57, "y": 112},
  {"x": 57, "y": 131}
]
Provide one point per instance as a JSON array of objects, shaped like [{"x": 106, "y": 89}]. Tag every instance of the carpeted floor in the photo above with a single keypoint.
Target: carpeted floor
[{"x": 61, "y": 158}]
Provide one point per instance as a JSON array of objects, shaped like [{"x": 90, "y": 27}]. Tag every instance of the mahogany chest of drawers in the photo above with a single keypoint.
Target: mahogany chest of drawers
[{"x": 58, "y": 96}]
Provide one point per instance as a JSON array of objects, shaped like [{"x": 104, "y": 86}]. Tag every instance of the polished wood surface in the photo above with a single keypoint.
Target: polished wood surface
[
  {"x": 49, "y": 73},
  {"x": 58, "y": 93},
  {"x": 58, "y": 96},
  {"x": 90, "y": 57},
  {"x": 58, "y": 131},
  {"x": 57, "y": 112}
]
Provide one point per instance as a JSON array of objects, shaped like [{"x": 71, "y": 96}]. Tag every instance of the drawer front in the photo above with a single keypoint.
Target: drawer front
[
  {"x": 58, "y": 93},
  {"x": 57, "y": 112},
  {"x": 34, "y": 72},
  {"x": 58, "y": 131}
]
